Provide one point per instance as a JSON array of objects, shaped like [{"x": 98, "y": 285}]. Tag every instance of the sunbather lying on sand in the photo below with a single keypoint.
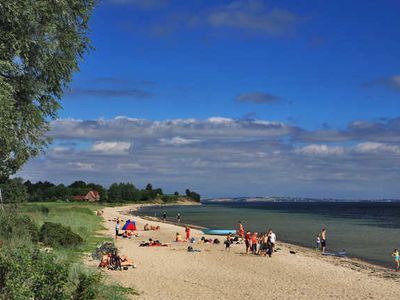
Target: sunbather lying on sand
[
  {"x": 155, "y": 227},
  {"x": 152, "y": 243}
]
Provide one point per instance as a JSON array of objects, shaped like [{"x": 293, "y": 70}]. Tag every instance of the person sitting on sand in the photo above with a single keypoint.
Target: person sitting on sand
[
  {"x": 178, "y": 237},
  {"x": 105, "y": 261},
  {"x": 146, "y": 227},
  {"x": 396, "y": 256},
  {"x": 155, "y": 227},
  {"x": 115, "y": 261},
  {"x": 228, "y": 242}
]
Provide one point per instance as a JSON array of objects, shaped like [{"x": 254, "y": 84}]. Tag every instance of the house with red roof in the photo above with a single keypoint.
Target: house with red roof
[{"x": 91, "y": 196}]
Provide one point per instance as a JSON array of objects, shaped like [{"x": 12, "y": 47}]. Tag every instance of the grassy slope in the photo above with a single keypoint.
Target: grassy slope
[{"x": 82, "y": 220}]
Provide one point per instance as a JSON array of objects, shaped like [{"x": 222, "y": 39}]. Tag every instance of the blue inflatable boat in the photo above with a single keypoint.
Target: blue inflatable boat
[{"x": 219, "y": 231}]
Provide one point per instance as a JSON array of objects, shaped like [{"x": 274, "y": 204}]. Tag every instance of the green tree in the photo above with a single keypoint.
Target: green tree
[
  {"x": 14, "y": 191},
  {"x": 41, "y": 45},
  {"x": 114, "y": 193}
]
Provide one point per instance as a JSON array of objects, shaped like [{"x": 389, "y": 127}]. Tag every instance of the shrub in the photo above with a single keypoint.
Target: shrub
[
  {"x": 27, "y": 273},
  {"x": 16, "y": 225},
  {"x": 86, "y": 288},
  {"x": 55, "y": 234}
]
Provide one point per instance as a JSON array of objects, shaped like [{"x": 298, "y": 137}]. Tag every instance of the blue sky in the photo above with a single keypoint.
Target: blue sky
[{"x": 325, "y": 72}]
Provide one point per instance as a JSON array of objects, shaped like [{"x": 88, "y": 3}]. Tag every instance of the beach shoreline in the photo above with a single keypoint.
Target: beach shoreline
[
  {"x": 160, "y": 271},
  {"x": 350, "y": 260}
]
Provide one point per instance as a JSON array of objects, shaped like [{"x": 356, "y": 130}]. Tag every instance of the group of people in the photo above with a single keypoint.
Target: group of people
[
  {"x": 263, "y": 244},
  {"x": 178, "y": 237},
  {"x": 321, "y": 240},
  {"x": 178, "y": 217}
]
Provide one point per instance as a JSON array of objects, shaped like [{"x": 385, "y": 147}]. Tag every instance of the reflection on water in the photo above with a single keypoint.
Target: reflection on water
[{"x": 366, "y": 230}]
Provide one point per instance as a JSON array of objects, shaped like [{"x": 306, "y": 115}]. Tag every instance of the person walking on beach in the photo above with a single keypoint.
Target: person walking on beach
[
  {"x": 247, "y": 241},
  {"x": 164, "y": 217},
  {"x": 178, "y": 218},
  {"x": 187, "y": 231},
  {"x": 323, "y": 240},
  {"x": 271, "y": 242},
  {"x": 117, "y": 229},
  {"x": 396, "y": 256}
]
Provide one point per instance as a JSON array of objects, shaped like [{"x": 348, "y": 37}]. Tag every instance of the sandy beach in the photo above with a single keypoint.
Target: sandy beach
[{"x": 174, "y": 273}]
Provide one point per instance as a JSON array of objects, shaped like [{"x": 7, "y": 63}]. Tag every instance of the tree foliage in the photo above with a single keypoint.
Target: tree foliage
[{"x": 41, "y": 45}]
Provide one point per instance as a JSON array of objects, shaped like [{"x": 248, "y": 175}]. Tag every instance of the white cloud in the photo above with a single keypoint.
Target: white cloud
[
  {"x": 177, "y": 141},
  {"x": 111, "y": 147},
  {"x": 372, "y": 147},
  {"x": 315, "y": 149}
]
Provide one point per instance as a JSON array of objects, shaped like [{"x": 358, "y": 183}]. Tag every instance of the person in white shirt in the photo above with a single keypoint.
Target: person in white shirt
[{"x": 271, "y": 242}]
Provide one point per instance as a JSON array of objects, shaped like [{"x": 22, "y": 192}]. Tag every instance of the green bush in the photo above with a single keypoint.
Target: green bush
[
  {"x": 55, "y": 234},
  {"x": 86, "y": 288},
  {"x": 27, "y": 273},
  {"x": 16, "y": 225}
]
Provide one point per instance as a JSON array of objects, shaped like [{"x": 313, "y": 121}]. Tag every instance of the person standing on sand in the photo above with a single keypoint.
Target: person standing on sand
[
  {"x": 323, "y": 240},
  {"x": 116, "y": 229},
  {"x": 247, "y": 241},
  {"x": 178, "y": 218},
  {"x": 164, "y": 217},
  {"x": 396, "y": 256},
  {"x": 271, "y": 242},
  {"x": 187, "y": 231},
  {"x": 254, "y": 243},
  {"x": 240, "y": 230},
  {"x": 318, "y": 242}
]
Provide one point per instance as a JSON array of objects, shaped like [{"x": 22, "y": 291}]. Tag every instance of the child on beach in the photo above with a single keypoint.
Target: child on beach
[
  {"x": 228, "y": 242},
  {"x": 187, "y": 231},
  {"x": 178, "y": 237},
  {"x": 116, "y": 229},
  {"x": 318, "y": 242},
  {"x": 396, "y": 256}
]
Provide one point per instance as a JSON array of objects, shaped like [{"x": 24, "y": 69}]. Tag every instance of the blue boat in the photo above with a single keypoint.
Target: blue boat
[{"x": 219, "y": 231}]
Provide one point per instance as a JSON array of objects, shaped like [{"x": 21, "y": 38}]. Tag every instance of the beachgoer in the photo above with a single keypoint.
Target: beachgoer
[
  {"x": 178, "y": 237},
  {"x": 265, "y": 244},
  {"x": 228, "y": 242},
  {"x": 247, "y": 241},
  {"x": 240, "y": 230},
  {"x": 318, "y": 242},
  {"x": 323, "y": 240},
  {"x": 178, "y": 218},
  {"x": 164, "y": 217},
  {"x": 396, "y": 256},
  {"x": 271, "y": 242},
  {"x": 187, "y": 231},
  {"x": 146, "y": 227},
  {"x": 116, "y": 229},
  {"x": 254, "y": 243}
]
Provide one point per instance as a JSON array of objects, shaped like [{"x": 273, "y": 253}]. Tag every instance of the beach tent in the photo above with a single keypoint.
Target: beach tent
[{"x": 129, "y": 225}]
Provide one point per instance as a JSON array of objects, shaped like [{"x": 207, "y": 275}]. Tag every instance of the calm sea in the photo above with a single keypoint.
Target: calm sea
[{"x": 367, "y": 230}]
